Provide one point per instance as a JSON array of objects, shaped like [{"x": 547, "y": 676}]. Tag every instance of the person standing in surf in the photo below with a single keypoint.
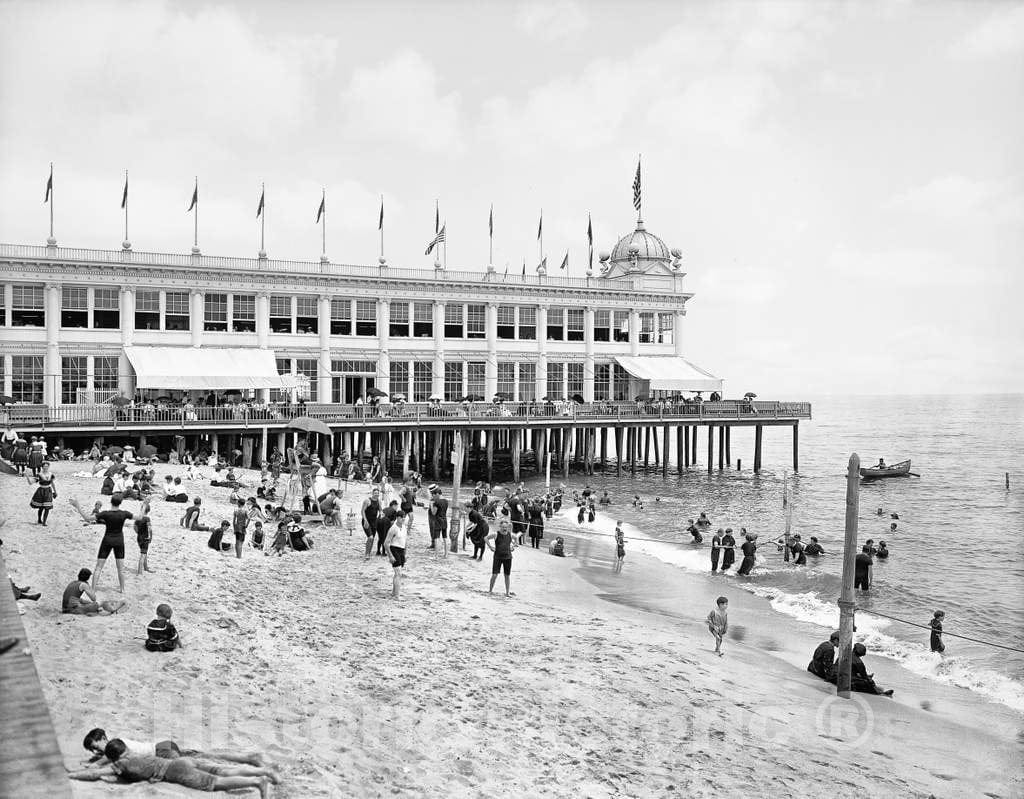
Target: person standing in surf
[
  {"x": 749, "y": 550},
  {"x": 716, "y": 550},
  {"x": 620, "y": 547},
  {"x": 728, "y": 550},
  {"x": 936, "y": 636}
]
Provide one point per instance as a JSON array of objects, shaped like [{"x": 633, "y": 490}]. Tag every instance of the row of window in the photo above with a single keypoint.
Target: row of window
[{"x": 171, "y": 310}]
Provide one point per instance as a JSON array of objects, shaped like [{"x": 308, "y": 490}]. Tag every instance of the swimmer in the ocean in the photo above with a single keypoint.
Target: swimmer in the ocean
[
  {"x": 880, "y": 512},
  {"x": 892, "y": 527},
  {"x": 814, "y": 548},
  {"x": 882, "y": 551},
  {"x": 894, "y": 516}
]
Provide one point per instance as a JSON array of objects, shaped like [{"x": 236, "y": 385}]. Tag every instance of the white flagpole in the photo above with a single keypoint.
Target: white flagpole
[
  {"x": 195, "y": 235},
  {"x": 51, "y": 199}
]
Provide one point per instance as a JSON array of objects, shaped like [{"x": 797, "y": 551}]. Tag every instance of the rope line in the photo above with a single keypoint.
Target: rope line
[{"x": 944, "y": 633}]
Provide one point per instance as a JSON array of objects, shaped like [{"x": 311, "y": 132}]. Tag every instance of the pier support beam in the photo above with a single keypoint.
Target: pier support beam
[
  {"x": 490, "y": 456},
  {"x": 686, "y": 445},
  {"x": 757, "y": 448},
  {"x": 634, "y": 434},
  {"x": 666, "y": 442},
  {"x": 679, "y": 448},
  {"x": 796, "y": 446},
  {"x": 693, "y": 456},
  {"x": 721, "y": 447},
  {"x": 618, "y": 452},
  {"x": 436, "y": 461},
  {"x": 566, "y": 444},
  {"x": 711, "y": 447},
  {"x": 647, "y": 446},
  {"x": 515, "y": 455},
  {"x": 604, "y": 448},
  {"x": 728, "y": 444}
]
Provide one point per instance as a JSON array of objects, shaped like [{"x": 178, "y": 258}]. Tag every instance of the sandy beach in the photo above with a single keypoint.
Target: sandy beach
[{"x": 450, "y": 690}]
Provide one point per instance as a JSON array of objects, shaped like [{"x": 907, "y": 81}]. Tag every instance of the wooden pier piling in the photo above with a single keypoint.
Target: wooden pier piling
[
  {"x": 711, "y": 448},
  {"x": 721, "y": 447},
  {"x": 796, "y": 446},
  {"x": 757, "y": 448}
]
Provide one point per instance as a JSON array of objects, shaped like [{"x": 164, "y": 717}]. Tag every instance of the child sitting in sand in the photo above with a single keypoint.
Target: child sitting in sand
[
  {"x": 718, "y": 623},
  {"x": 257, "y": 535},
  {"x": 557, "y": 547},
  {"x": 280, "y": 539},
  {"x": 190, "y": 521},
  {"x": 160, "y": 634},
  {"x": 200, "y": 775}
]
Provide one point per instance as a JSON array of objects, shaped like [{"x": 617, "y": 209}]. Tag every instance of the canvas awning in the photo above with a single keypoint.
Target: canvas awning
[
  {"x": 211, "y": 368},
  {"x": 669, "y": 373}
]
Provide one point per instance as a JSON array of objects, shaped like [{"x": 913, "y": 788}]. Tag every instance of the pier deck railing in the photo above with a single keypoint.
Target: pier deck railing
[{"x": 106, "y": 416}]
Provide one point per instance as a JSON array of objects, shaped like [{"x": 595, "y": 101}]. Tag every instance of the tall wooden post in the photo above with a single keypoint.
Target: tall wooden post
[
  {"x": 633, "y": 437},
  {"x": 618, "y": 452},
  {"x": 679, "y": 448},
  {"x": 604, "y": 448},
  {"x": 757, "y": 449},
  {"x": 721, "y": 447},
  {"x": 796, "y": 446},
  {"x": 666, "y": 442},
  {"x": 693, "y": 457},
  {"x": 728, "y": 444},
  {"x": 566, "y": 444},
  {"x": 490, "y": 456},
  {"x": 647, "y": 446},
  {"x": 515, "y": 456},
  {"x": 711, "y": 447},
  {"x": 406, "y": 453},
  {"x": 436, "y": 461},
  {"x": 846, "y": 604},
  {"x": 686, "y": 445}
]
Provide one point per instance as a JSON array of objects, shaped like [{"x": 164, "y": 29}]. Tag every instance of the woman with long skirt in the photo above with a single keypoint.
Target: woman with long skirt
[
  {"x": 42, "y": 499},
  {"x": 20, "y": 456},
  {"x": 749, "y": 548},
  {"x": 728, "y": 550}
]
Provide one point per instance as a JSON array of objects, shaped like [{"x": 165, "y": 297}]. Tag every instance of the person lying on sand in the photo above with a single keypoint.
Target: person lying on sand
[
  {"x": 96, "y": 741},
  {"x": 200, "y": 775}
]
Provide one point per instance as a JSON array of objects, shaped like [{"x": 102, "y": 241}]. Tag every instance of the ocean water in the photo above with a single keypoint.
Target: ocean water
[{"x": 958, "y": 547}]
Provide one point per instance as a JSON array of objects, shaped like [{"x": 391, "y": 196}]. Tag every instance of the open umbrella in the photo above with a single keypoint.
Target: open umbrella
[
  {"x": 308, "y": 425},
  {"x": 146, "y": 451},
  {"x": 436, "y": 398},
  {"x": 398, "y": 397},
  {"x": 578, "y": 399},
  {"x": 120, "y": 401},
  {"x": 749, "y": 395},
  {"x": 643, "y": 399},
  {"x": 6, "y": 400},
  {"x": 375, "y": 392},
  {"x": 472, "y": 398},
  {"x": 115, "y": 450}
]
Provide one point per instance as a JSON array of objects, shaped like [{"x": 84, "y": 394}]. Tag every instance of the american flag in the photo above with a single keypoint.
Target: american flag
[
  {"x": 636, "y": 187},
  {"x": 436, "y": 240}
]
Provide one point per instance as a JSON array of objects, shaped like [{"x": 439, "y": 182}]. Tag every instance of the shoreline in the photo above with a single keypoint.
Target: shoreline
[{"x": 306, "y": 658}]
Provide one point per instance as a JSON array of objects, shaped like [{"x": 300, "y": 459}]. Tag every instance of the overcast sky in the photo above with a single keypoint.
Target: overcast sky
[{"x": 846, "y": 181}]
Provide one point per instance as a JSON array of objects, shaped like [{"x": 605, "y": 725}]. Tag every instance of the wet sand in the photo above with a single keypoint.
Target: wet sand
[{"x": 452, "y": 691}]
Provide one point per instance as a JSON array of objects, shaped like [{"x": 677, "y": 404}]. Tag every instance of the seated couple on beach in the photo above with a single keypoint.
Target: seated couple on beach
[
  {"x": 823, "y": 665},
  {"x": 164, "y": 761}
]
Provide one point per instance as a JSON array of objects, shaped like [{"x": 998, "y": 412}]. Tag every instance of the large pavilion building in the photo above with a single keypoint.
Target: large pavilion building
[{"x": 84, "y": 326}]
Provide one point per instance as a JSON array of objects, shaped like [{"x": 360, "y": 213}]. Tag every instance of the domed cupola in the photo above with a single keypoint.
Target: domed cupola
[{"x": 641, "y": 254}]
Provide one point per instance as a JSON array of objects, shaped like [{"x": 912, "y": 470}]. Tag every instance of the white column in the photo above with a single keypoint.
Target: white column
[
  {"x": 262, "y": 320},
  {"x": 8, "y": 365},
  {"x": 51, "y": 363},
  {"x": 542, "y": 350},
  {"x": 634, "y": 331},
  {"x": 124, "y": 367},
  {"x": 90, "y": 375},
  {"x": 677, "y": 332},
  {"x": 492, "y": 350},
  {"x": 438, "y": 348},
  {"x": 196, "y": 317},
  {"x": 588, "y": 361},
  {"x": 323, "y": 371},
  {"x": 383, "y": 343}
]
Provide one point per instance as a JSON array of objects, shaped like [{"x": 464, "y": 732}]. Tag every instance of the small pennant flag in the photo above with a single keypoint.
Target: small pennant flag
[
  {"x": 195, "y": 198},
  {"x": 543, "y": 264},
  {"x": 540, "y": 227},
  {"x": 524, "y": 267},
  {"x": 380, "y": 224},
  {"x": 322, "y": 209},
  {"x": 506, "y": 269},
  {"x": 124, "y": 196},
  {"x": 565, "y": 261},
  {"x": 436, "y": 240},
  {"x": 259, "y": 209},
  {"x": 49, "y": 186},
  {"x": 490, "y": 223},
  {"x": 636, "y": 187},
  {"x": 590, "y": 240}
]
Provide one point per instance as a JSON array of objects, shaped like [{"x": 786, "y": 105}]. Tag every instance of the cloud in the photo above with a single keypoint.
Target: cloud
[
  {"x": 1001, "y": 34},
  {"x": 399, "y": 101},
  {"x": 956, "y": 198},
  {"x": 552, "y": 21}
]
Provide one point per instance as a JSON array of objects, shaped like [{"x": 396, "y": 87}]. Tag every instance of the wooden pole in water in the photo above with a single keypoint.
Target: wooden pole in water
[
  {"x": 566, "y": 443},
  {"x": 711, "y": 447},
  {"x": 846, "y": 617},
  {"x": 693, "y": 456},
  {"x": 757, "y": 449},
  {"x": 666, "y": 442},
  {"x": 633, "y": 436},
  {"x": 490, "y": 456},
  {"x": 728, "y": 444},
  {"x": 1007, "y": 481},
  {"x": 515, "y": 456},
  {"x": 618, "y": 452},
  {"x": 604, "y": 448},
  {"x": 721, "y": 447},
  {"x": 437, "y": 455},
  {"x": 679, "y": 448},
  {"x": 796, "y": 446},
  {"x": 647, "y": 446},
  {"x": 686, "y": 445}
]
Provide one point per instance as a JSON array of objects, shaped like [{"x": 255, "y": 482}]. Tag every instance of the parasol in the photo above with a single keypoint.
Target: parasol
[
  {"x": 6, "y": 399},
  {"x": 375, "y": 392},
  {"x": 115, "y": 450},
  {"x": 146, "y": 451},
  {"x": 749, "y": 395},
  {"x": 578, "y": 399},
  {"x": 472, "y": 398},
  {"x": 120, "y": 401},
  {"x": 436, "y": 398},
  {"x": 398, "y": 397},
  {"x": 309, "y": 425}
]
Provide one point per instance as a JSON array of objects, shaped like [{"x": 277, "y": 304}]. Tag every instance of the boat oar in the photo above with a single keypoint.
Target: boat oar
[{"x": 913, "y": 474}]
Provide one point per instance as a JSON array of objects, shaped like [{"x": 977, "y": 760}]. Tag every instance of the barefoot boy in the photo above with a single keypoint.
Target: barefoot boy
[{"x": 718, "y": 623}]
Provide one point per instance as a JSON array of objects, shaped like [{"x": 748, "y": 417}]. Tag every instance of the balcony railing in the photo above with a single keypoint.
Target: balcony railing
[
  {"x": 217, "y": 262},
  {"x": 425, "y": 414}
]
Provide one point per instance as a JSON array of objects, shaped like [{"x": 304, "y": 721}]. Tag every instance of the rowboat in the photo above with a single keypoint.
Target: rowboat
[{"x": 901, "y": 469}]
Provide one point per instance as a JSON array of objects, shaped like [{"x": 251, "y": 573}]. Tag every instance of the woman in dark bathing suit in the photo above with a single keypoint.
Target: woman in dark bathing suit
[
  {"x": 749, "y": 548},
  {"x": 728, "y": 550}
]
